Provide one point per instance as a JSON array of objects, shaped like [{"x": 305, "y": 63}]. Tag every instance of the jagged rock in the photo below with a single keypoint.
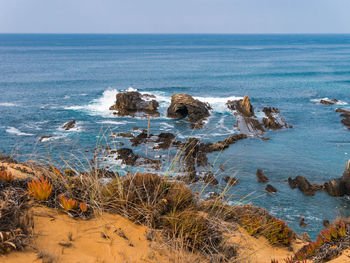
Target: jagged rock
[
  {"x": 340, "y": 186},
  {"x": 185, "y": 106},
  {"x": 221, "y": 145},
  {"x": 231, "y": 181},
  {"x": 302, "y": 222},
  {"x": 269, "y": 188},
  {"x": 209, "y": 178},
  {"x": 124, "y": 134},
  {"x": 69, "y": 125},
  {"x": 129, "y": 158},
  {"x": 164, "y": 140},
  {"x": 303, "y": 185},
  {"x": 328, "y": 102},
  {"x": 346, "y": 117},
  {"x": 243, "y": 106},
  {"x": 45, "y": 137},
  {"x": 127, "y": 155},
  {"x": 244, "y": 113},
  {"x": 326, "y": 223},
  {"x": 261, "y": 176},
  {"x": 273, "y": 120},
  {"x": 129, "y": 103}
]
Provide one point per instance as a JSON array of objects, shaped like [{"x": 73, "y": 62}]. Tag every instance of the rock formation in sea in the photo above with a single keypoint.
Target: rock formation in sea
[
  {"x": 346, "y": 117},
  {"x": 262, "y": 178},
  {"x": 130, "y": 103},
  {"x": 340, "y": 186},
  {"x": 69, "y": 125},
  {"x": 328, "y": 102},
  {"x": 246, "y": 121},
  {"x": 185, "y": 106},
  {"x": 273, "y": 120},
  {"x": 302, "y": 184}
]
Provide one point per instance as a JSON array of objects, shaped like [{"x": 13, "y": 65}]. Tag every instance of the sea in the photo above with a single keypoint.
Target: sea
[{"x": 47, "y": 80}]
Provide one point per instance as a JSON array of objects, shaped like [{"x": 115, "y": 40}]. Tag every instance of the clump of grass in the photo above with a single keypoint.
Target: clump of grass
[
  {"x": 15, "y": 221},
  {"x": 7, "y": 177},
  {"x": 40, "y": 189}
]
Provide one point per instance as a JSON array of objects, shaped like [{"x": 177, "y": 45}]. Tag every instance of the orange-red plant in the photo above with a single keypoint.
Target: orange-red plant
[
  {"x": 8, "y": 177},
  {"x": 83, "y": 207},
  {"x": 68, "y": 204},
  {"x": 40, "y": 189}
]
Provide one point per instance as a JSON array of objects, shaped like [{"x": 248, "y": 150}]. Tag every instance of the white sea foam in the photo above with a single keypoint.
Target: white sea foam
[
  {"x": 218, "y": 103},
  {"x": 77, "y": 128},
  {"x": 7, "y": 104},
  {"x": 339, "y": 102},
  {"x": 13, "y": 130},
  {"x": 113, "y": 122},
  {"x": 99, "y": 106}
]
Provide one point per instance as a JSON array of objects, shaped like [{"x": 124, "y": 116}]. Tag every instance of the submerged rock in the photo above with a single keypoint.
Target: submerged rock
[
  {"x": 69, "y": 125},
  {"x": 45, "y": 138},
  {"x": 273, "y": 120},
  {"x": 185, "y": 106},
  {"x": 221, "y": 145},
  {"x": 129, "y": 103},
  {"x": 261, "y": 176}
]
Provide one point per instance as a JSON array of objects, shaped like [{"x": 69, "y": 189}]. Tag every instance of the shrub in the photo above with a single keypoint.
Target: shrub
[
  {"x": 67, "y": 204},
  {"x": 8, "y": 177},
  {"x": 40, "y": 189}
]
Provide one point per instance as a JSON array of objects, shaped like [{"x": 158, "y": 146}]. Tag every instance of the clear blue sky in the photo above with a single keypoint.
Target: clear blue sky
[{"x": 175, "y": 16}]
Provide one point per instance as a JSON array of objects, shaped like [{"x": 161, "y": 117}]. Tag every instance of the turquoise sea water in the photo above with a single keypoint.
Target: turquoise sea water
[{"x": 47, "y": 80}]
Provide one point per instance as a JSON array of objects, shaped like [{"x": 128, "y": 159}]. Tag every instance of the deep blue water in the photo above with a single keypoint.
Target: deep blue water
[{"x": 47, "y": 80}]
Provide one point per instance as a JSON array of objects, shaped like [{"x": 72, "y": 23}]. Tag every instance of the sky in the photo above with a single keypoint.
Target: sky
[{"x": 174, "y": 16}]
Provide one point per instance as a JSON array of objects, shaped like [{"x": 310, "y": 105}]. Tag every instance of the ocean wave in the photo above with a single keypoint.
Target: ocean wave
[
  {"x": 339, "y": 102},
  {"x": 113, "y": 122},
  {"x": 218, "y": 103},
  {"x": 7, "y": 104},
  {"x": 99, "y": 106},
  {"x": 13, "y": 130}
]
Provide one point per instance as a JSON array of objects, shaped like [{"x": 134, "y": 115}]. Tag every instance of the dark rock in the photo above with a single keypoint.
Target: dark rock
[
  {"x": 231, "y": 181},
  {"x": 185, "y": 106},
  {"x": 45, "y": 137},
  {"x": 303, "y": 185},
  {"x": 340, "y": 186},
  {"x": 209, "y": 178},
  {"x": 127, "y": 155},
  {"x": 245, "y": 121},
  {"x": 221, "y": 145},
  {"x": 69, "y": 125},
  {"x": 243, "y": 106},
  {"x": 261, "y": 176},
  {"x": 273, "y": 120},
  {"x": 140, "y": 138},
  {"x": 124, "y": 134},
  {"x": 269, "y": 188},
  {"x": 326, "y": 223},
  {"x": 302, "y": 222},
  {"x": 327, "y": 102},
  {"x": 129, "y": 103},
  {"x": 135, "y": 128},
  {"x": 164, "y": 140}
]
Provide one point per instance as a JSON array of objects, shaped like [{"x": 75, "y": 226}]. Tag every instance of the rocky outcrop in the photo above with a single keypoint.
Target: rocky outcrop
[
  {"x": 262, "y": 178},
  {"x": 346, "y": 117},
  {"x": 231, "y": 181},
  {"x": 209, "y": 178},
  {"x": 273, "y": 120},
  {"x": 270, "y": 189},
  {"x": 69, "y": 125},
  {"x": 185, "y": 106},
  {"x": 162, "y": 141},
  {"x": 245, "y": 118},
  {"x": 221, "y": 145},
  {"x": 328, "y": 102},
  {"x": 340, "y": 186},
  {"x": 303, "y": 184},
  {"x": 128, "y": 157},
  {"x": 129, "y": 103}
]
